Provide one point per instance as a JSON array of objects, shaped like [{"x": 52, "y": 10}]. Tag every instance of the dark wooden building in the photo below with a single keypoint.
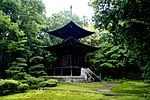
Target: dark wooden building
[{"x": 70, "y": 53}]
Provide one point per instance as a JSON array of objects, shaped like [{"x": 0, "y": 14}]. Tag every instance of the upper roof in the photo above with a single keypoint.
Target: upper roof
[
  {"x": 70, "y": 30},
  {"x": 71, "y": 44}
]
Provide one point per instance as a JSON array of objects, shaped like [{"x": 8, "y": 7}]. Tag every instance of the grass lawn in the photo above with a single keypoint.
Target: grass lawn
[
  {"x": 128, "y": 90},
  {"x": 132, "y": 87},
  {"x": 132, "y": 90},
  {"x": 87, "y": 87},
  {"x": 54, "y": 95}
]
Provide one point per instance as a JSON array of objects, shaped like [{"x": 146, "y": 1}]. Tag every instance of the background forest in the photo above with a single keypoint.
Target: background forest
[{"x": 122, "y": 32}]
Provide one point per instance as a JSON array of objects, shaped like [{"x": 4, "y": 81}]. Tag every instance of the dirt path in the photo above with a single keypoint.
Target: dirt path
[{"x": 107, "y": 89}]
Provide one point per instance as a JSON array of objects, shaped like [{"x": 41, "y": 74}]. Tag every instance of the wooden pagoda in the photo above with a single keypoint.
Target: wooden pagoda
[{"x": 70, "y": 53}]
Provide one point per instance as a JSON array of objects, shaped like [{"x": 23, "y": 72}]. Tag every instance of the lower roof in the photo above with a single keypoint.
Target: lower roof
[{"x": 71, "y": 44}]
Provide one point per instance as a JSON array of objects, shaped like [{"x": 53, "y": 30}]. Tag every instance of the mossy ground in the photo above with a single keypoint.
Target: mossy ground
[{"x": 127, "y": 90}]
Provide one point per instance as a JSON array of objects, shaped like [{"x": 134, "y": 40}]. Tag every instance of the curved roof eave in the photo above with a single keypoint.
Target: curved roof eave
[
  {"x": 70, "y": 29},
  {"x": 71, "y": 42}
]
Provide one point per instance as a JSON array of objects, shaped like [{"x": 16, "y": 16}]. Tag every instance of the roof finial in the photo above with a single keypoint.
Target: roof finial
[{"x": 70, "y": 12}]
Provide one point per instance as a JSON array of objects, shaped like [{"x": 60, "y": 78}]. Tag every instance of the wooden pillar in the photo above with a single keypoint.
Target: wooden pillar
[
  {"x": 71, "y": 71},
  {"x": 54, "y": 71},
  {"x": 61, "y": 72}
]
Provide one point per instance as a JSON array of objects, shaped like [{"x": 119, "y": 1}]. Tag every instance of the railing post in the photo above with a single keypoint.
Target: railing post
[
  {"x": 71, "y": 70},
  {"x": 54, "y": 71},
  {"x": 61, "y": 72}
]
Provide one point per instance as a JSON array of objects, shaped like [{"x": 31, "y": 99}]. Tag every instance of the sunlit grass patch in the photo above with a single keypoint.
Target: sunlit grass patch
[
  {"x": 132, "y": 87},
  {"x": 54, "y": 95},
  {"x": 90, "y": 85},
  {"x": 128, "y": 90},
  {"x": 72, "y": 87},
  {"x": 21, "y": 96},
  {"x": 133, "y": 97}
]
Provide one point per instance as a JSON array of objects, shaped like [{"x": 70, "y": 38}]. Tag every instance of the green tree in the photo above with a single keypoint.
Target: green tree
[
  {"x": 17, "y": 69},
  {"x": 27, "y": 22},
  {"x": 60, "y": 19},
  {"x": 109, "y": 56},
  {"x": 11, "y": 41},
  {"x": 37, "y": 68},
  {"x": 98, "y": 38},
  {"x": 129, "y": 22}
]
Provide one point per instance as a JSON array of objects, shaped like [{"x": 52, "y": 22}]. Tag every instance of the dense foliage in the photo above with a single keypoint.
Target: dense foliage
[
  {"x": 37, "y": 68},
  {"x": 11, "y": 86},
  {"x": 17, "y": 70},
  {"x": 123, "y": 37},
  {"x": 110, "y": 60},
  {"x": 128, "y": 21},
  {"x": 21, "y": 23}
]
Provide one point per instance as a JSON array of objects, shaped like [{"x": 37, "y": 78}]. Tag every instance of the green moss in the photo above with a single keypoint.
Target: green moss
[
  {"x": 54, "y": 95},
  {"x": 133, "y": 97},
  {"x": 86, "y": 91},
  {"x": 132, "y": 87},
  {"x": 91, "y": 85}
]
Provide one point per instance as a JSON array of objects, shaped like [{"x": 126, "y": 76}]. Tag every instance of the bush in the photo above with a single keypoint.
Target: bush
[
  {"x": 37, "y": 70},
  {"x": 33, "y": 82},
  {"x": 23, "y": 88},
  {"x": 49, "y": 83},
  {"x": 147, "y": 81},
  {"x": 34, "y": 86},
  {"x": 11, "y": 86},
  {"x": 17, "y": 69},
  {"x": 45, "y": 77},
  {"x": 8, "y": 87}
]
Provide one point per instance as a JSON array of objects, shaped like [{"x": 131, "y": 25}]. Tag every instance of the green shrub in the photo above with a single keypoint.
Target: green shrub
[
  {"x": 34, "y": 86},
  {"x": 35, "y": 83},
  {"x": 17, "y": 69},
  {"x": 20, "y": 76},
  {"x": 53, "y": 81},
  {"x": 16, "y": 75},
  {"x": 107, "y": 78},
  {"x": 8, "y": 86},
  {"x": 37, "y": 70},
  {"x": 44, "y": 84},
  {"x": 147, "y": 81},
  {"x": 49, "y": 83},
  {"x": 23, "y": 88},
  {"x": 33, "y": 80},
  {"x": 45, "y": 77},
  {"x": 12, "y": 86}
]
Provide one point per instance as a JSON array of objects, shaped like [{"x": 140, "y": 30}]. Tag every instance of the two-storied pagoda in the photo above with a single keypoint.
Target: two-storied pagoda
[{"x": 70, "y": 53}]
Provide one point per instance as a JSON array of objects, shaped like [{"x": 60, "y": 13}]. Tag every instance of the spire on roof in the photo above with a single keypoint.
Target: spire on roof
[{"x": 70, "y": 12}]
